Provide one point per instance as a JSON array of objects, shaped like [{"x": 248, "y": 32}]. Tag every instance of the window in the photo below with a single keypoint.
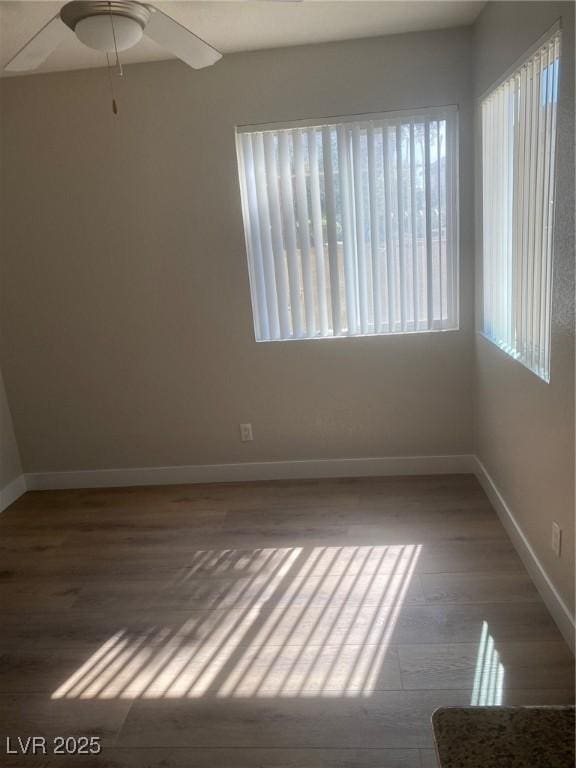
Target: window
[
  {"x": 351, "y": 226},
  {"x": 518, "y": 159}
]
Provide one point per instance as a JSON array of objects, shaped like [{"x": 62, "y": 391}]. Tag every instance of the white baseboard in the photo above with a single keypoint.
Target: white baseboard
[
  {"x": 561, "y": 613},
  {"x": 265, "y": 470},
  {"x": 12, "y": 491}
]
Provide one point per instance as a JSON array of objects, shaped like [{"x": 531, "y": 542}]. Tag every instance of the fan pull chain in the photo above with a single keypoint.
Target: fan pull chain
[
  {"x": 118, "y": 64},
  {"x": 109, "y": 68},
  {"x": 120, "y": 72}
]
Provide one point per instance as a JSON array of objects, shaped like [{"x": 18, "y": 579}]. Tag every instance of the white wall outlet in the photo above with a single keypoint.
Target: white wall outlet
[
  {"x": 246, "y": 433},
  {"x": 556, "y": 538}
]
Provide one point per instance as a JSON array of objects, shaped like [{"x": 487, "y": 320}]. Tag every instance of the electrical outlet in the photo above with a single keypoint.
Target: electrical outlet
[
  {"x": 246, "y": 433},
  {"x": 556, "y": 538}
]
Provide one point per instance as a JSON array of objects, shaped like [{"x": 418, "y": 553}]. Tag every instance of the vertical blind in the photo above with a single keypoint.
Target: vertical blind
[
  {"x": 518, "y": 173},
  {"x": 352, "y": 226}
]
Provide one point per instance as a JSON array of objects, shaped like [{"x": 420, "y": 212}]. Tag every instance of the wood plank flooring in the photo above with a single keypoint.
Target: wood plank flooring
[{"x": 312, "y": 624}]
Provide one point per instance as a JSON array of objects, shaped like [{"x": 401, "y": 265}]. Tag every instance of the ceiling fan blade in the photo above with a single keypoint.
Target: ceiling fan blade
[
  {"x": 176, "y": 39},
  {"x": 37, "y": 50}
]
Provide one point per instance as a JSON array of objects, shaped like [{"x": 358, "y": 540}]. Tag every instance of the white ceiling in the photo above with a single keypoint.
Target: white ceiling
[{"x": 243, "y": 25}]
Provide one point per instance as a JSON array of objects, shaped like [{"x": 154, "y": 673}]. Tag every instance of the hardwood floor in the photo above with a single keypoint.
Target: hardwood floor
[{"x": 312, "y": 624}]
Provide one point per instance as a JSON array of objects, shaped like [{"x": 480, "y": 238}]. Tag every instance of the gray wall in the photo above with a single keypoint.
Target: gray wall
[
  {"x": 525, "y": 427},
  {"x": 10, "y": 466},
  {"x": 127, "y": 330}
]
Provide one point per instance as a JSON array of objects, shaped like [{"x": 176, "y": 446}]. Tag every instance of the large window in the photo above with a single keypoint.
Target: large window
[
  {"x": 352, "y": 225},
  {"x": 518, "y": 170}
]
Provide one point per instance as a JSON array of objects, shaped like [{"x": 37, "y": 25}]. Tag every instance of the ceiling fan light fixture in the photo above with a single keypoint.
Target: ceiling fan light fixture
[
  {"x": 108, "y": 32},
  {"x": 113, "y": 25}
]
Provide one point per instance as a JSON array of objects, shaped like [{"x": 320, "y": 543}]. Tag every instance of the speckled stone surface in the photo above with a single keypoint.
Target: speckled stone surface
[{"x": 504, "y": 737}]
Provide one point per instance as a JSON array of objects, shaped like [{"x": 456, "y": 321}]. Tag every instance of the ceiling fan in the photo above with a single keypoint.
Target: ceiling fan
[{"x": 111, "y": 26}]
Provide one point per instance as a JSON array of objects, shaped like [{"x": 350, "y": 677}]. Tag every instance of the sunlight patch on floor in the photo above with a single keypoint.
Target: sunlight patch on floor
[
  {"x": 276, "y": 622},
  {"x": 489, "y": 672}
]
